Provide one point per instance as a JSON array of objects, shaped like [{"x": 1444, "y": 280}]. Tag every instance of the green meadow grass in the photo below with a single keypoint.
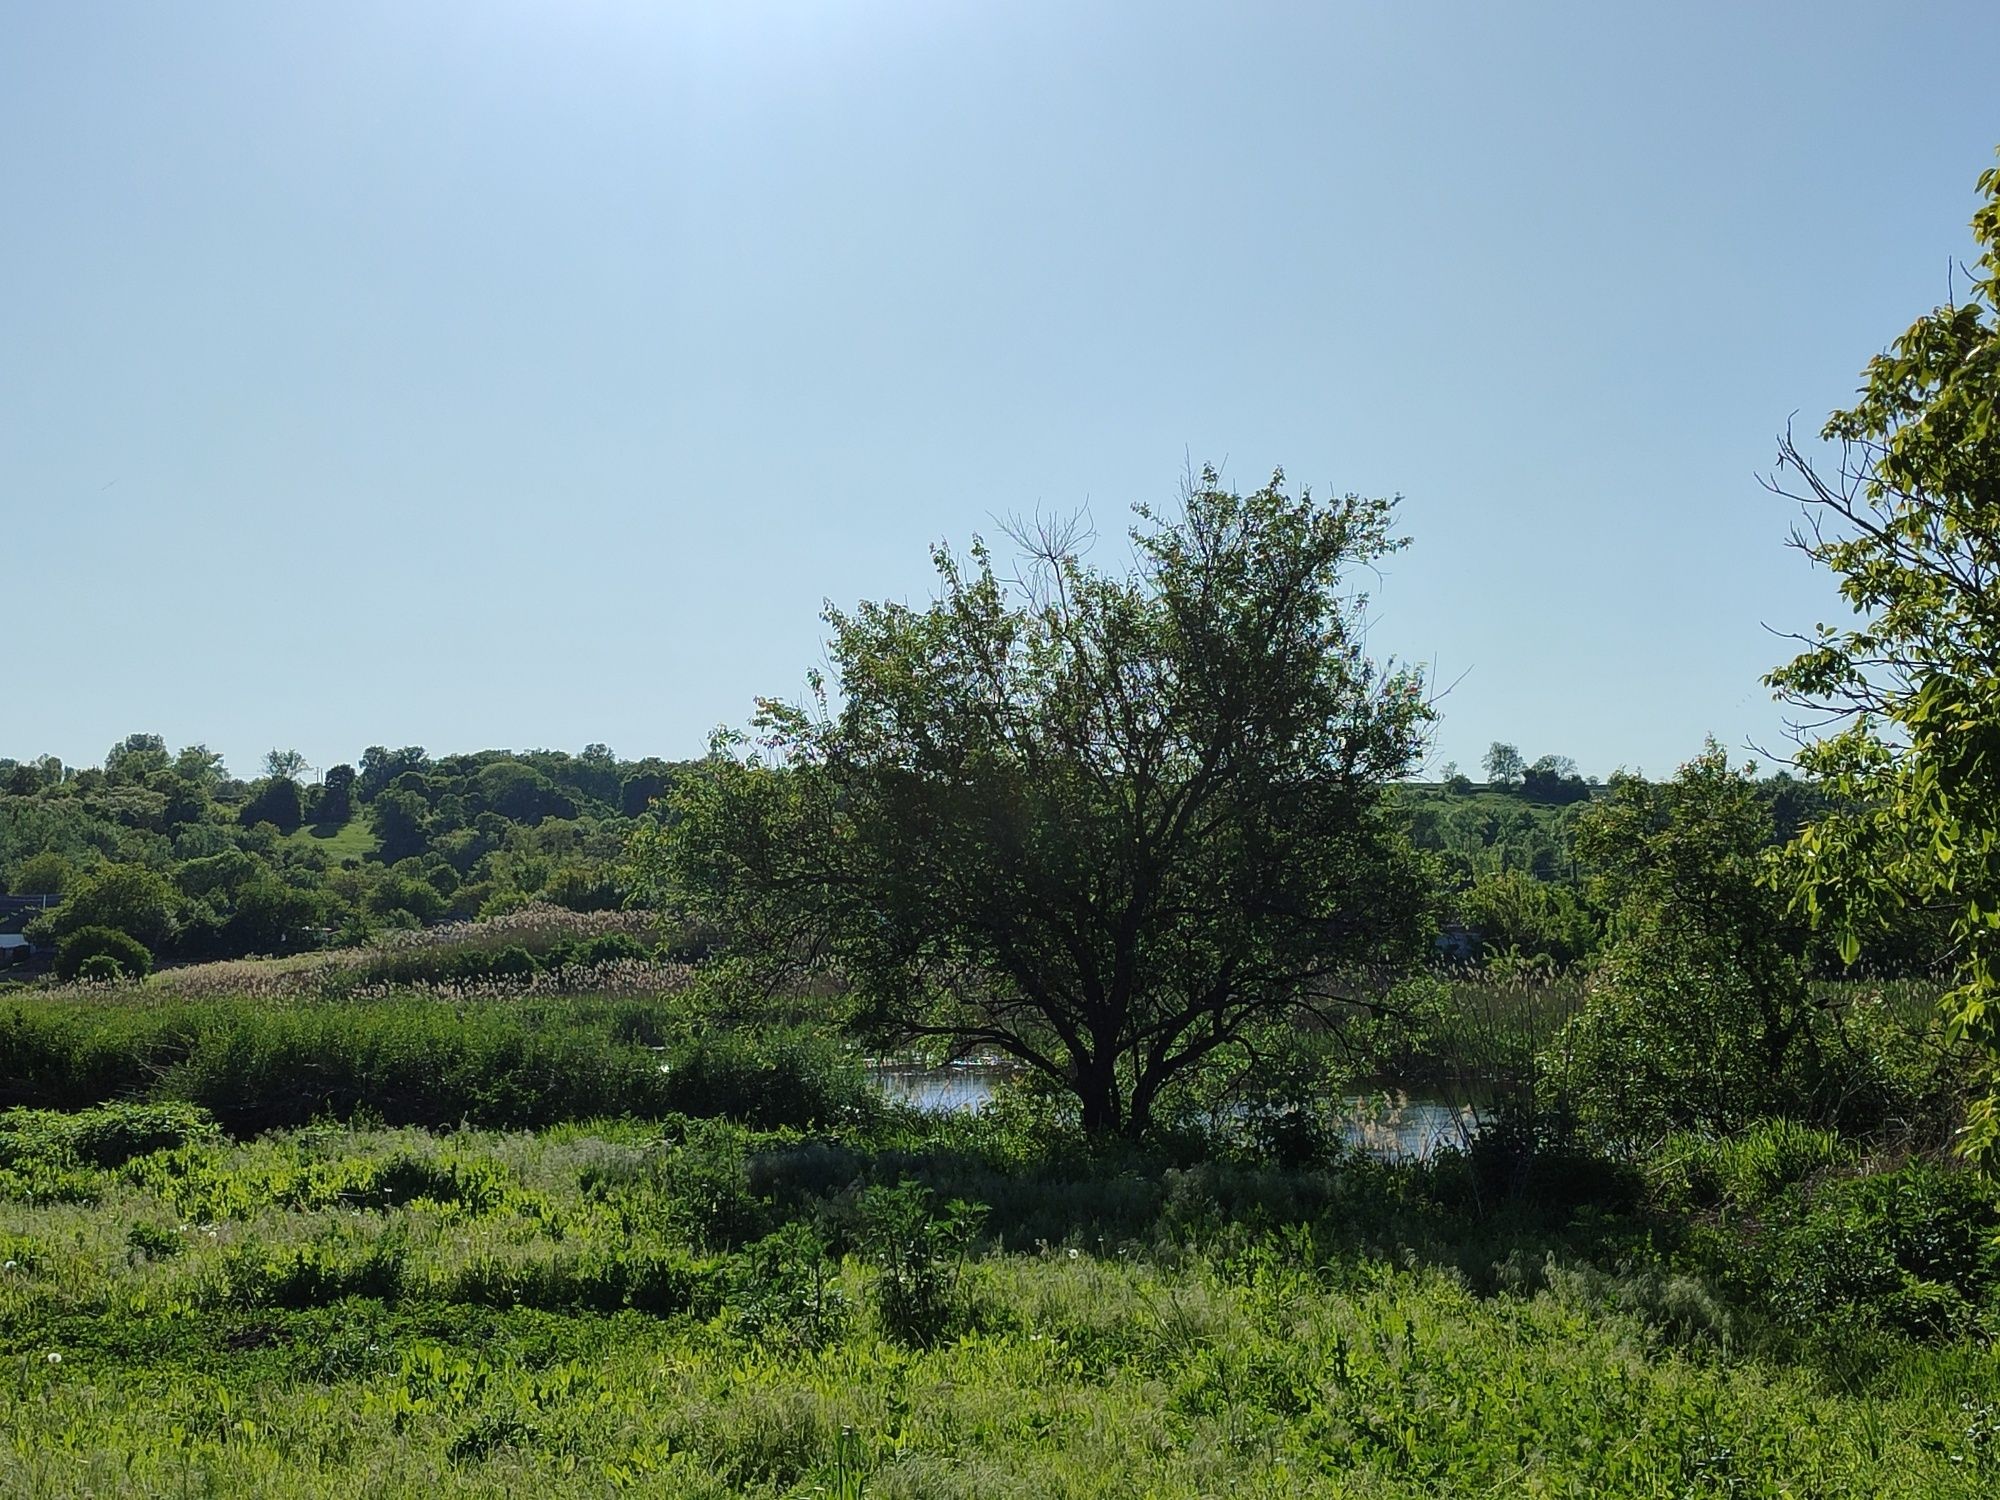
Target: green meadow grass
[
  {"x": 592, "y": 1308},
  {"x": 354, "y": 839},
  {"x": 328, "y": 1240}
]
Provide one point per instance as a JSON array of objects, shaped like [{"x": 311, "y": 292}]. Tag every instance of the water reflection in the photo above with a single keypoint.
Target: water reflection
[
  {"x": 1391, "y": 1125},
  {"x": 1404, "y": 1127},
  {"x": 957, "y": 1089}
]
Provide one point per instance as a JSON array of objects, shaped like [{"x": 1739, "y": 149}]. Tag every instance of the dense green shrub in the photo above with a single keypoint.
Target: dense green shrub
[
  {"x": 279, "y": 801},
  {"x": 259, "y": 1067},
  {"x": 662, "y": 1284},
  {"x": 1700, "y": 1015},
  {"x": 71, "y": 1056},
  {"x": 1889, "y": 1065},
  {"x": 1678, "y": 1033},
  {"x": 272, "y": 917},
  {"x": 1914, "y": 1251},
  {"x": 920, "y": 1257},
  {"x": 339, "y": 1264},
  {"x": 584, "y": 886},
  {"x": 511, "y": 962},
  {"x": 51, "y": 1157},
  {"x": 130, "y": 898},
  {"x": 610, "y": 947},
  {"x": 694, "y": 1183},
  {"x": 132, "y": 957},
  {"x": 1512, "y": 911},
  {"x": 407, "y": 1063},
  {"x": 1693, "y": 1170},
  {"x": 155, "y": 1242},
  {"x": 390, "y": 1181},
  {"x": 477, "y": 966},
  {"x": 114, "y": 1134},
  {"x": 785, "y": 1293},
  {"x": 765, "y": 1078}
]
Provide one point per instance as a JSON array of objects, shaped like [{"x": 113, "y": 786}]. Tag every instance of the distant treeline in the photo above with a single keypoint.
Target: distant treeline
[
  {"x": 172, "y": 853},
  {"x": 1513, "y": 873},
  {"x": 164, "y": 856}
]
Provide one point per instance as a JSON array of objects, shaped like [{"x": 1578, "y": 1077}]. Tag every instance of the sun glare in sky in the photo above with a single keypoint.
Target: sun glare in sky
[{"x": 477, "y": 375}]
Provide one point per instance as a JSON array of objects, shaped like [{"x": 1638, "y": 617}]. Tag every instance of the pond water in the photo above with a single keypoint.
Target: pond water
[{"x": 1389, "y": 1124}]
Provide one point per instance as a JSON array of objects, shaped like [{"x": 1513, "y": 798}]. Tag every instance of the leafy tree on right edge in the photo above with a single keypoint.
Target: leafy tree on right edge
[{"x": 1905, "y": 701}]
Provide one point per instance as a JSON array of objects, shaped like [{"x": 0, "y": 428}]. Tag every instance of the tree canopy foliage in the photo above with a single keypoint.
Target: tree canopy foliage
[
  {"x": 1701, "y": 1015},
  {"x": 177, "y": 854},
  {"x": 1106, "y": 824},
  {"x": 1503, "y": 764},
  {"x": 1901, "y": 705}
]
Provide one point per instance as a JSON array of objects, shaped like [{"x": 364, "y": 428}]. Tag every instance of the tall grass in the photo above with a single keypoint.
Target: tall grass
[{"x": 517, "y": 1061}]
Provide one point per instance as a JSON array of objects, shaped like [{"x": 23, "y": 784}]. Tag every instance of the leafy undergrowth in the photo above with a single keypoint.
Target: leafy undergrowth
[{"x": 692, "y": 1307}]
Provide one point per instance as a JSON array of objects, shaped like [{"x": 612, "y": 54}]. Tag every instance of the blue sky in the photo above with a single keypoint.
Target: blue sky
[{"x": 510, "y": 374}]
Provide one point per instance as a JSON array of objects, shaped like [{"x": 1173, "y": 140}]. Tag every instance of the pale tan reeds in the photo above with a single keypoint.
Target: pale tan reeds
[{"x": 367, "y": 971}]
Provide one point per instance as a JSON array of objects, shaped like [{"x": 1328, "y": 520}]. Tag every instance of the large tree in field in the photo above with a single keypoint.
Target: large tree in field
[
  {"x": 1110, "y": 825},
  {"x": 1903, "y": 701}
]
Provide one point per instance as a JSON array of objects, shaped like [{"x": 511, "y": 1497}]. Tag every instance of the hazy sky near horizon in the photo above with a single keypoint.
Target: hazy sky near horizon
[{"x": 527, "y": 374}]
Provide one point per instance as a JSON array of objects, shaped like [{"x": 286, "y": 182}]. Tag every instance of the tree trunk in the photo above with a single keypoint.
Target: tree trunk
[
  {"x": 1097, "y": 1088},
  {"x": 1139, "y": 1116}
]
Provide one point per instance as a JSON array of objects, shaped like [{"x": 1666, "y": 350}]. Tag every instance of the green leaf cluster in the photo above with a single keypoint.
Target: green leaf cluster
[{"x": 1906, "y": 696}]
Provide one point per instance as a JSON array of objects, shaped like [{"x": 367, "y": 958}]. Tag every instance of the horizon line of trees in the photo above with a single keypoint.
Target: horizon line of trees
[{"x": 457, "y": 837}]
